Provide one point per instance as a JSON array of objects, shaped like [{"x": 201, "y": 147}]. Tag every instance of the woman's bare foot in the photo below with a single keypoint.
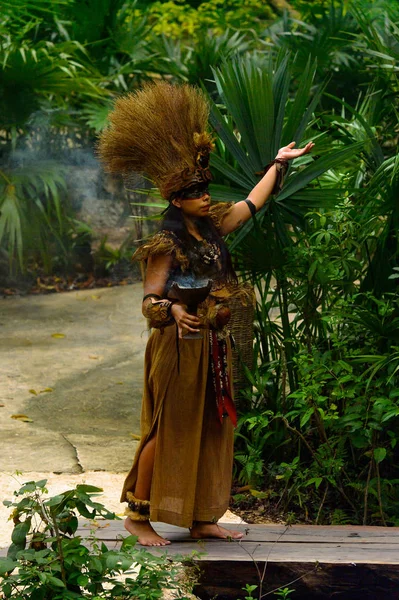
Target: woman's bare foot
[
  {"x": 202, "y": 530},
  {"x": 146, "y": 534}
]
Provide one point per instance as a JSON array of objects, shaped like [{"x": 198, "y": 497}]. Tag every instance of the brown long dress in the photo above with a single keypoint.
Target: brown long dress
[{"x": 194, "y": 451}]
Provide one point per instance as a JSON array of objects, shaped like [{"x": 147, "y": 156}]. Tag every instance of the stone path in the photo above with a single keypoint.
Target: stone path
[
  {"x": 83, "y": 428},
  {"x": 86, "y": 349}
]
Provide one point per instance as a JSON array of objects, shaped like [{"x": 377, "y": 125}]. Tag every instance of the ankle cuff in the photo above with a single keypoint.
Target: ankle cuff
[{"x": 137, "y": 510}]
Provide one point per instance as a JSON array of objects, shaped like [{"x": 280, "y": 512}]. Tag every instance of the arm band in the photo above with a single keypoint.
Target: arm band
[{"x": 251, "y": 206}]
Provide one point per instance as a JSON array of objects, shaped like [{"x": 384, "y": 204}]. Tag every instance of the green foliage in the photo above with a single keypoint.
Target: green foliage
[
  {"x": 37, "y": 226},
  {"x": 236, "y": 14},
  {"x": 194, "y": 63},
  {"x": 330, "y": 443},
  {"x": 32, "y": 72},
  {"x": 284, "y": 592},
  {"x": 59, "y": 73},
  {"x": 48, "y": 559},
  {"x": 178, "y": 19},
  {"x": 249, "y": 589},
  {"x": 262, "y": 116},
  {"x": 109, "y": 259}
]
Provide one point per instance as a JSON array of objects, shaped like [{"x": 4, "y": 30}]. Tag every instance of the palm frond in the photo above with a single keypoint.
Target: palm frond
[
  {"x": 31, "y": 209},
  {"x": 261, "y": 116},
  {"x": 329, "y": 161},
  {"x": 11, "y": 223},
  {"x": 30, "y": 73}
]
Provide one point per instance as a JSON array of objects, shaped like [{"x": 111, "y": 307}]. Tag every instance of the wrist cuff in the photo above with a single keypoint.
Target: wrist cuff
[
  {"x": 281, "y": 167},
  {"x": 158, "y": 312}
]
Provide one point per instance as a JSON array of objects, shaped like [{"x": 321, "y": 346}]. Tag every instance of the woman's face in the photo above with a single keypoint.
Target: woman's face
[{"x": 194, "y": 207}]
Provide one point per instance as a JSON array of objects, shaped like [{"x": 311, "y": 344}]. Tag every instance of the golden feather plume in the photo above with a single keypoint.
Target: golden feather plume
[{"x": 159, "y": 131}]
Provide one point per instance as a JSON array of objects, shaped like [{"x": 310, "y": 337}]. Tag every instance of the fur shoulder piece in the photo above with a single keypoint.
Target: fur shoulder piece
[
  {"x": 163, "y": 242},
  {"x": 218, "y": 211}
]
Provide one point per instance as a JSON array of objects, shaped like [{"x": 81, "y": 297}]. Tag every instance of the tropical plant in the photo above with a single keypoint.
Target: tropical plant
[
  {"x": 330, "y": 445},
  {"x": 33, "y": 216},
  {"x": 375, "y": 185},
  {"x": 382, "y": 247},
  {"x": 48, "y": 558},
  {"x": 347, "y": 373},
  {"x": 31, "y": 209},
  {"x": 115, "y": 261},
  {"x": 318, "y": 342},
  {"x": 327, "y": 37},
  {"x": 193, "y": 63},
  {"x": 31, "y": 73}
]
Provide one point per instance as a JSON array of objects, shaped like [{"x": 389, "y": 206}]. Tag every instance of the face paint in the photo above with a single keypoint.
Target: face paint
[{"x": 194, "y": 192}]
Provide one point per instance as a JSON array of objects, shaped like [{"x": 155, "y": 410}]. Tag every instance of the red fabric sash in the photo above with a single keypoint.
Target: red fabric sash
[{"x": 220, "y": 377}]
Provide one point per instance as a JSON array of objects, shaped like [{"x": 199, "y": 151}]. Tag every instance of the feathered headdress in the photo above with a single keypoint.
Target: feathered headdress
[{"x": 160, "y": 131}]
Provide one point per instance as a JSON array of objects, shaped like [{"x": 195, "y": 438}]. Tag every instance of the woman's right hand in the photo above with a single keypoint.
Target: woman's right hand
[{"x": 186, "y": 323}]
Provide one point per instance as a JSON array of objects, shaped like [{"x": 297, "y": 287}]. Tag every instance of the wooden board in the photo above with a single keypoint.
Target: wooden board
[
  {"x": 277, "y": 543},
  {"x": 269, "y": 533}
]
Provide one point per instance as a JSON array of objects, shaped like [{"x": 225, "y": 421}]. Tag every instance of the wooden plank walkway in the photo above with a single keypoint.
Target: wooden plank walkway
[
  {"x": 343, "y": 563},
  {"x": 278, "y": 543}
]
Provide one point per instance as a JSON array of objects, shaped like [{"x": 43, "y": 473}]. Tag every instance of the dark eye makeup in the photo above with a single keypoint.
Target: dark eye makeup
[{"x": 193, "y": 193}]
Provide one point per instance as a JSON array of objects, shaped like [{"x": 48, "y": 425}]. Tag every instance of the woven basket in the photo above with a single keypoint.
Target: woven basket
[{"x": 241, "y": 326}]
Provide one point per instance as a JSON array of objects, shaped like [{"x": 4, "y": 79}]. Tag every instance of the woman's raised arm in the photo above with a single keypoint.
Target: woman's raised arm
[{"x": 240, "y": 213}]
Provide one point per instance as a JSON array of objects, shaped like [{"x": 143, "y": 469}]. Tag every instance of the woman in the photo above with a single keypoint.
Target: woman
[{"x": 182, "y": 470}]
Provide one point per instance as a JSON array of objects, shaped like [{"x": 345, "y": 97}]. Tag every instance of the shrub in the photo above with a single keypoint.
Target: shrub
[{"x": 49, "y": 560}]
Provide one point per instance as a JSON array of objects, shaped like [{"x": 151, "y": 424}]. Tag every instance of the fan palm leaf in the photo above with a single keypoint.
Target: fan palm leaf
[
  {"x": 361, "y": 125},
  {"x": 262, "y": 117},
  {"x": 379, "y": 38}
]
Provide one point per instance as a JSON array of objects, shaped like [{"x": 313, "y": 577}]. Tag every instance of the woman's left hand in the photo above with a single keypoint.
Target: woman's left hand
[{"x": 288, "y": 152}]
